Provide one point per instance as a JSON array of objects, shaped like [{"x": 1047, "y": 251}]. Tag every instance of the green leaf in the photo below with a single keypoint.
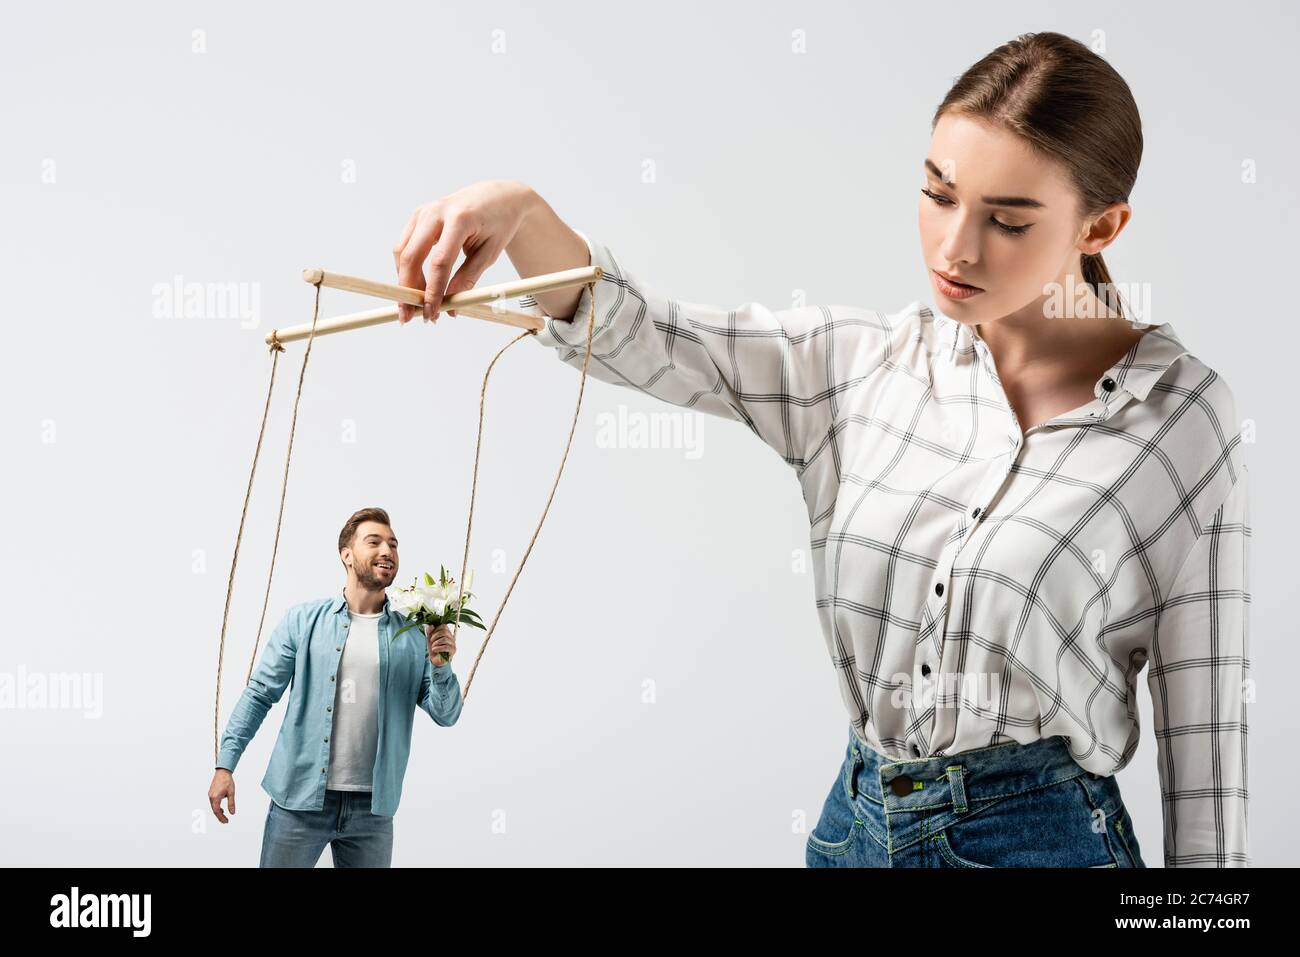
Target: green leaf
[{"x": 414, "y": 624}]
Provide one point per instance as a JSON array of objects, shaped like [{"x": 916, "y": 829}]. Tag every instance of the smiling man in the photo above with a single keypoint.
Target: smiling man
[{"x": 335, "y": 775}]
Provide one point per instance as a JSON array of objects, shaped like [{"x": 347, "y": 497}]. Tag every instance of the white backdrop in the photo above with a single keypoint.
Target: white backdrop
[{"x": 658, "y": 691}]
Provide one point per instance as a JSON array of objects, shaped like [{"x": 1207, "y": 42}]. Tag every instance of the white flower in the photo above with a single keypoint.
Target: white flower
[
  {"x": 405, "y": 601},
  {"x": 433, "y": 597}
]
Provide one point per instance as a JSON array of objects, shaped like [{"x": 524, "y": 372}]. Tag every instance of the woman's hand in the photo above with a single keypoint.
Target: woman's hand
[
  {"x": 441, "y": 641},
  {"x": 480, "y": 219}
]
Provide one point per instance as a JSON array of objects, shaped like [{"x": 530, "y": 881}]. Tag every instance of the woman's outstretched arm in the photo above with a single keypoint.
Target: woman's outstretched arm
[{"x": 782, "y": 373}]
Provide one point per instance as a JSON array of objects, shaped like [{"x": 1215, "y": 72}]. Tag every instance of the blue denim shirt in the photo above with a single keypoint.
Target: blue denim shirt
[{"x": 304, "y": 653}]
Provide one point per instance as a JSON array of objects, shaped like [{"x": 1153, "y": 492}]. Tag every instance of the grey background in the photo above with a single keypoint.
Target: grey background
[{"x": 129, "y": 435}]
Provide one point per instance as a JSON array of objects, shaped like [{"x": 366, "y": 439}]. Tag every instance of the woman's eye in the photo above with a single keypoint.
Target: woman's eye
[{"x": 1009, "y": 230}]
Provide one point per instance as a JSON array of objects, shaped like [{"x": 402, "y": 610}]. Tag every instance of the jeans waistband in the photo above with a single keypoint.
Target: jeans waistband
[{"x": 956, "y": 781}]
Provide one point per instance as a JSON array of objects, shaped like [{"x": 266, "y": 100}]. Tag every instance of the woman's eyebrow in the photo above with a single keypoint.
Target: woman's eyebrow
[{"x": 1023, "y": 202}]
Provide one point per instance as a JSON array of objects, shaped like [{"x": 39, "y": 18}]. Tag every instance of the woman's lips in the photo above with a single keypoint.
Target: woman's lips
[{"x": 954, "y": 290}]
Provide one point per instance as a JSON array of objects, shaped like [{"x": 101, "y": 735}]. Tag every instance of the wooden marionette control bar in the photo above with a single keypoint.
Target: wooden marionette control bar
[{"x": 481, "y": 303}]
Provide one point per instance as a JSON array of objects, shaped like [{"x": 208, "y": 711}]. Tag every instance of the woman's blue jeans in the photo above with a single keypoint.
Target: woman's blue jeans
[
  {"x": 356, "y": 837},
  {"x": 1009, "y": 805}
]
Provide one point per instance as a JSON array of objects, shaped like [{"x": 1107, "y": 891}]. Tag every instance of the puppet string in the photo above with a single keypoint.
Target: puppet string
[
  {"x": 276, "y": 349},
  {"x": 460, "y": 584}
]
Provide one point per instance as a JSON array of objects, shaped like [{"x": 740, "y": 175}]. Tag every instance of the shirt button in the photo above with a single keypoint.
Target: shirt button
[
  {"x": 925, "y": 670},
  {"x": 938, "y": 589},
  {"x": 331, "y": 677},
  {"x": 902, "y": 786},
  {"x": 322, "y": 770},
  {"x": 329, "y": 708},
  {"x": 1108, "y": 384},
  {"x": 916, "y": 752},
  {"x": 975, "y": 513}
]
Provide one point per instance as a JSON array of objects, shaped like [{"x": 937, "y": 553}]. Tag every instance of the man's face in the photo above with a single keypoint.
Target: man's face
[{"x": 373, "y": 555}]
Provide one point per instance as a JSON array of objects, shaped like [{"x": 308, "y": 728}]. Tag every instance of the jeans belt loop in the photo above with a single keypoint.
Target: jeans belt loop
[
  {"x": 853, "y": 773},
  {"x": 956, "y": 774}
]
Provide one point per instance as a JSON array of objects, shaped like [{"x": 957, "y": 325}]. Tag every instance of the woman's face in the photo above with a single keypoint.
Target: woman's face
[{"x": 1004, "y": 219}]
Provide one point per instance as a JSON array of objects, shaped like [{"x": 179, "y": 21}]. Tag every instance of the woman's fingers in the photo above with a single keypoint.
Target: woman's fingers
[
  {"x": 475, "y": 264},
  {"x": 426, "y": 230},
  {"x": 397, "y": 257},
  {"x": 442, "y": 260},
  {"x": 479, "y": 220}
]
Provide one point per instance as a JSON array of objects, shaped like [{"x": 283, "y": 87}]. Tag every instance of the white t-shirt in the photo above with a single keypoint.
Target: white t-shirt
[{"x": 354, "y": 737}]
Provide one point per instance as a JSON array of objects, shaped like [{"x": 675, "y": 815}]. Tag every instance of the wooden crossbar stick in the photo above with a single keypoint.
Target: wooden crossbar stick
[{"x": 480, "y": 303}]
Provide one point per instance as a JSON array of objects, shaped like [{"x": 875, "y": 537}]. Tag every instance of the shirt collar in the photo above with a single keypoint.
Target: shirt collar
[
  {"x": 340, "y": 603},
  {"x": 1136, "y": 372}
]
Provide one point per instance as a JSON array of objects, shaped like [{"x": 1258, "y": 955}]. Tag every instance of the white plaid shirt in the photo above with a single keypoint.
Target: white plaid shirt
[{"x": 1044, "y": 569}]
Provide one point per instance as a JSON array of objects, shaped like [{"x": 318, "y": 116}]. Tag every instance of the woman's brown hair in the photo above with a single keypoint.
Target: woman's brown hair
[{"x": 1069, "y": 104}]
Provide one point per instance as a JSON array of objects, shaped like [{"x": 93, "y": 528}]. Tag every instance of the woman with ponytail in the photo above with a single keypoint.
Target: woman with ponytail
[{"x": 1020, "y": 495}]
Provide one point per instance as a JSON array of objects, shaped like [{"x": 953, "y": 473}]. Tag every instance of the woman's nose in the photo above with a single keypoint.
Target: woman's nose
[{"x": 961, "y": 244}]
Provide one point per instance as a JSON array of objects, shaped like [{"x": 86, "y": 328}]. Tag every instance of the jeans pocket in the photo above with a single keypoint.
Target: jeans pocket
[
  {"x": 1126, "y": 838},
  {"x": 836, "y": 829},
  {"x": 1057, "y": 825},
  {"x": 949, "y": 856},
  {"x": 1104, "y": 793}
]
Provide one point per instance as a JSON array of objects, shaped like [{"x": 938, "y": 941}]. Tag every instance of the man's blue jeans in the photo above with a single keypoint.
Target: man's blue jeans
[{"x": 356, "y": 837}]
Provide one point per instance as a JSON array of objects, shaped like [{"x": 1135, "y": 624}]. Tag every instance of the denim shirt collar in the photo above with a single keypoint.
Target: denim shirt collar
[{"x": 340, "y": 604}]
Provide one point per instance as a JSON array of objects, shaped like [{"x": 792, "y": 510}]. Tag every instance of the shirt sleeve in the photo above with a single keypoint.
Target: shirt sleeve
[
  {"x": 440, "y": 693},
  {"x": 780, "y": 373},
  {"x": 1199, "y": 680},
  {"x": 263, "y": 690}
]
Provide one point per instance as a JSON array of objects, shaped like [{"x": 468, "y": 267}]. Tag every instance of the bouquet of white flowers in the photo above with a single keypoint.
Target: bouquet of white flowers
[{"x": 434, "y": 603}]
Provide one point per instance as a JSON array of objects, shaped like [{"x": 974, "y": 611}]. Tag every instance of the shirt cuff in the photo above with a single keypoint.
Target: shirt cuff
[{"x": 227, "y": 759}]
